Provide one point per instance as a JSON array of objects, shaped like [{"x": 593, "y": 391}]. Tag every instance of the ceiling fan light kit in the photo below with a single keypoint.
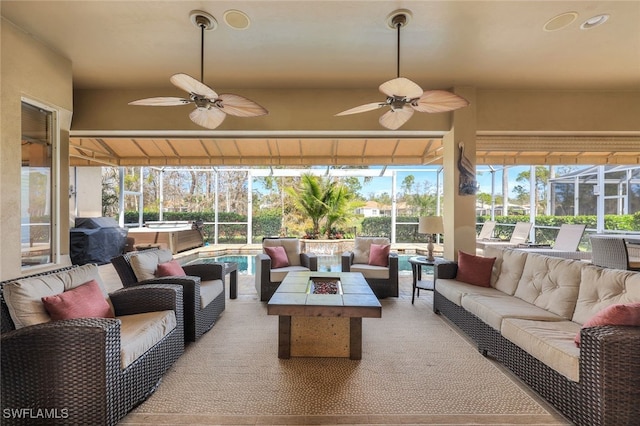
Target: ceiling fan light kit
[
  {"x": 211, "y": 108},
  {"x": 403, "y": 95}
]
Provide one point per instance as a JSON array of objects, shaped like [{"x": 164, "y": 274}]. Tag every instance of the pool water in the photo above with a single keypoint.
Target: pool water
[{"x": 246, "y": 263}]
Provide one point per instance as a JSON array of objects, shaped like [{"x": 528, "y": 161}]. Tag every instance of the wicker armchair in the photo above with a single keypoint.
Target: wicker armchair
[
  {"x": 611, "y": 252},
  {"x": 268, "y": 278},
  {"x": 203, "y": 282},
  {"x": 73, "y": 368},
  {"x": 383, "y": 280}
]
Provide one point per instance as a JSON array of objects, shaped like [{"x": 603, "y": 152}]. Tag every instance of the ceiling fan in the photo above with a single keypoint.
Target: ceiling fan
[
  {"x": 211, "y": 108},
  {"x": 404, "y": 96}
]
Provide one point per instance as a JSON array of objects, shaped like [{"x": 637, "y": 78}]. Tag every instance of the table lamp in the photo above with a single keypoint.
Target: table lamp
[{"x": 430, "y": 225}]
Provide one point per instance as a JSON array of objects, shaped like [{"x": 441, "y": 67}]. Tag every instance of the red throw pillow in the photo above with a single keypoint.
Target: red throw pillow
[
  {"x": 170, "y": 269},
  {"x": 379, "y": 254},
  {"x": 84, "y": 301},
  {"x": 278, "y": 256},
  {"x": 474, "y": 270},
  {"x": 621, "y": 314}
]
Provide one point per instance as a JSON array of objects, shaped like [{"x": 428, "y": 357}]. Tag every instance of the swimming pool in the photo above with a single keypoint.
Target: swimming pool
[{"x": 246, "y": 263}]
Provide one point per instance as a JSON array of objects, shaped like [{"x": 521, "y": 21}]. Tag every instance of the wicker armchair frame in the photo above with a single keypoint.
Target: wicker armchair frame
[
  {"x": 608, "y": 392},
  {"x": 197, "y": 320},
  {"x": 72, "y": 367},
  {"x": 381, "y": 287}
]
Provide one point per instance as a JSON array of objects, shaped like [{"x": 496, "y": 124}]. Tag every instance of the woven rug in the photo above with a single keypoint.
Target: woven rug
[{"x": 415, "y": 369}]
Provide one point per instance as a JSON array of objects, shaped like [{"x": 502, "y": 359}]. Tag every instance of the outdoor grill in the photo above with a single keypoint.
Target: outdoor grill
[{"x": 96, "y": 240}]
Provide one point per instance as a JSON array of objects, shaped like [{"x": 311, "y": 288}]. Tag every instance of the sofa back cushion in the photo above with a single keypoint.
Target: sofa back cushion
[
  {"x": 602, "y": 287},
  {"x": 290, "y": 245},
  {"x": 362, "y": 248},
  {"x": 145, "y": 263},
  {"x": 24, "y": 296},
  {"x": 507, "y": 269},
  {"x": 550, "y": 283}
]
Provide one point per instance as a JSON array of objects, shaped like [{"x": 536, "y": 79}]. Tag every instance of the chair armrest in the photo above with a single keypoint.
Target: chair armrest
[
  {"x": 309, "y": 260},
  {"x": 44, "y": 365},
  {"x": 445, "y": 269},
  {"x": 206, "y": 271},
  {"x": 393, "y": 263},
  {"x": 263, "y": 268},
  {"x": 609, "y": 367},
  {"x": 346, "y": 261},
  {"x": 148, "y": 298}
]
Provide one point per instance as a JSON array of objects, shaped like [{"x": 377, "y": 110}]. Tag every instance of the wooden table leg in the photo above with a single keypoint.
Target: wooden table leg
[
  {"x": 355, "y": 338},
  {"x": 284, "y": 336}
]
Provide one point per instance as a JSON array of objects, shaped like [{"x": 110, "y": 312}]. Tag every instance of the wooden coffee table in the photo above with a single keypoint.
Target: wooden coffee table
[{"x": 322, "y": 325}]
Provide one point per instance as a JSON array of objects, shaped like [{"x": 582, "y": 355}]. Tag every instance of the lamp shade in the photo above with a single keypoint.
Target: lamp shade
[{"x": 430, "y": 225}]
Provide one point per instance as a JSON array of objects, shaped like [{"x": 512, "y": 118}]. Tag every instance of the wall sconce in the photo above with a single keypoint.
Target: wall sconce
[{"x": 430, "y": 225}]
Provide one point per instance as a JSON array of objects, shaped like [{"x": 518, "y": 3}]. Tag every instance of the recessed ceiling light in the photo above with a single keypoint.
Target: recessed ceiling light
[
  {"x": 560, "y": 21},
  {"x": 236, "y": 19},
  {"x": 594, "y": 21}
]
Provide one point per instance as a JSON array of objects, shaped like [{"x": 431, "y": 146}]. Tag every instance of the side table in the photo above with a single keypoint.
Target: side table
[
  {"x": 417, "y": 263},
  {"x": 231, "y": 268}
]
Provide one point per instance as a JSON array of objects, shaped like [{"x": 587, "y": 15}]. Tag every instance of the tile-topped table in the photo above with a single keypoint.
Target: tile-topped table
[{"x": 322, "y": 325}]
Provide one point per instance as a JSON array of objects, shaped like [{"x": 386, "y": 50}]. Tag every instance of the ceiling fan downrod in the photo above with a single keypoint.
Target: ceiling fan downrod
[{"x": 398, "y": 22}]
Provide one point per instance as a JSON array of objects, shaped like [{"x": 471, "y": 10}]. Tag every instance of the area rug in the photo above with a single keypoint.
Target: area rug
[{"x": 415, "y": 369}]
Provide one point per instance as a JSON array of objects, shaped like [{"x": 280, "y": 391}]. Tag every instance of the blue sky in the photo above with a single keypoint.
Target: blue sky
[{"x": 383, "y": 184}]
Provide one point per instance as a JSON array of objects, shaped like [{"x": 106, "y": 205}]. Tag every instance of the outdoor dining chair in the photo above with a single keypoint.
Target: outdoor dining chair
[{"x": 611, "y": 252}]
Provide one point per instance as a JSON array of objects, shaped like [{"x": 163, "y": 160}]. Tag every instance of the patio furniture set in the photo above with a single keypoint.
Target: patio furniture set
[
  {"x": 73, "y": 354},
  {"x": 567, "y": 328}
]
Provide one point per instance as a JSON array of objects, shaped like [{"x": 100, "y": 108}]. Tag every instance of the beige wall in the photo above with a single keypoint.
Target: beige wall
[
  {"x": 29, "y": 69},
  {"x": 308, "y": 109}
]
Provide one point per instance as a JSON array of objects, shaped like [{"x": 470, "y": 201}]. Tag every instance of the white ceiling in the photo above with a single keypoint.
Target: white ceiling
[{"x": 340, "y": 44}]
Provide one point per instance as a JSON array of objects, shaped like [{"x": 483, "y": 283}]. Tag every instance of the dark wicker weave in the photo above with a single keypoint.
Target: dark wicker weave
[
  {"x": 72, "y": 367},
  {"x": 608, "y": 392},
  {"x": 388, "y": 287},
  {"x": 197, "y": 320}
]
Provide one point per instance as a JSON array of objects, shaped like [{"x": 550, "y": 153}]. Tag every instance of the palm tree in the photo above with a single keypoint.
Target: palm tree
[{"x": 310, "y": 198}]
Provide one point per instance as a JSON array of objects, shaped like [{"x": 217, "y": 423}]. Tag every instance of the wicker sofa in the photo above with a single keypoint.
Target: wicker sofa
[
  {"x": 203, "y": 286},
  {"x": 85, "y": 371},
  {"x": 528, "y": 319}
]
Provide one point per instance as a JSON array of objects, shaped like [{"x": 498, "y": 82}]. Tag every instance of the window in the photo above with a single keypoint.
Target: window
[{"x": 37, "y": 179}]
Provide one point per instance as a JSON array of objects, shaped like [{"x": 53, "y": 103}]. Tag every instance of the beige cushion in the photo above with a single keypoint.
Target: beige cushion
[
  {"x": 145, "y": 264},
  {"x": 291, "y": 246},
  {"x": 602, "y": 287},
  {"x": 371, "y": 271},
  {"x": 453, "y": 290},
  {"x": 362, "y": 247},
  {"x": 507, "y": 269},
  {"x": 550, "y": 283},
  {"x": 24, "y": 296},
  {"x": 278, "y": 275},
  {"x": 140, "y": 332},
  {"x": 493, "y": 308},
  {"x": 549, "y": 342},
  {"x": 209, "y": 290}
]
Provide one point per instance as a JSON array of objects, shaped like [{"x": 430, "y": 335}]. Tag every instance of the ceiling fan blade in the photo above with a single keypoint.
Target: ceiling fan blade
[
  {"x": 209, "y": 118},
  {"x": 439, "y": 101},
  {"x": 161, "y": 101},
  {"x": 362, "y": 108},
  {"x": 401, "y": 87},
  {"x": 191, "y": 85},
  {"x": 240, "y": 106},
  {"x": 393, "y": 119}
]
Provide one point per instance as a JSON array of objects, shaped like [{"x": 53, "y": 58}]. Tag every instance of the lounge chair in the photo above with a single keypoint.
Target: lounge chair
[
  {"x": 519, "y": 236},
  {"x": 565, "y": 245},
  {"x": 486, "y": 233}
]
